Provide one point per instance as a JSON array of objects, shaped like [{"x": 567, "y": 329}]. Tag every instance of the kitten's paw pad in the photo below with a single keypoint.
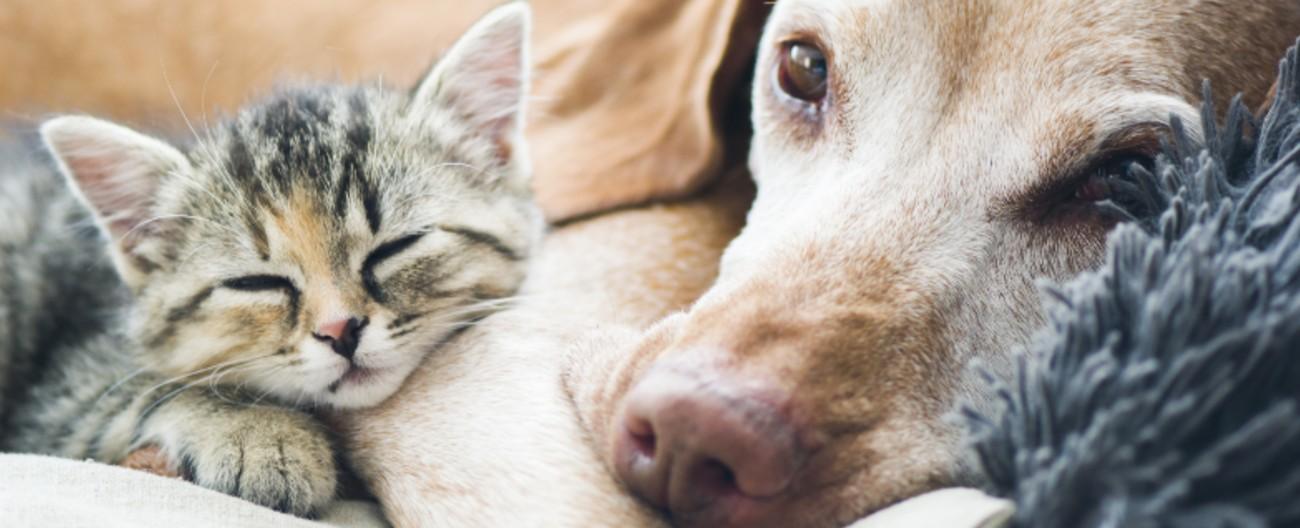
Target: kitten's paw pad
[
  {"x": 281, "y": 463},
  {"x": 150, "y": 459}
]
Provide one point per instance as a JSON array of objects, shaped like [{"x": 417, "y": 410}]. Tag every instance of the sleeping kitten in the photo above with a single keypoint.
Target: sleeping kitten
[{"x": 308, "y": 251}]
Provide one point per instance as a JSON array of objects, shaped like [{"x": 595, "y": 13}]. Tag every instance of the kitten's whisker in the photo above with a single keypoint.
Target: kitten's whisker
[
  {"x": 177, "y": 216},
  {"x": 489, "y": 305},
  {"x": 406, "y": 201},
  {"x": 214, "y": 381},
  {"x": 201, "y": 372},
  {"x": 164, "y": 398},
  {"x": 475, "y": 168},
  {"x": 177, "y": 100},
  {"x": 265, "y": 392},
  {"x": 203, "y": 94},
  {"x": 118, "y": 384},
  {"x": 264, "y": 375},
  {"x": 236, "y": 364},
  {"x": 200, "y": 187}
]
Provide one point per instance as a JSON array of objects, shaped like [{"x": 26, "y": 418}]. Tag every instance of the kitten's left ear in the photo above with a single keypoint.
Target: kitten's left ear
[
  {"x": 117, "y": 172},
  {"x": 483, "y": 78}
]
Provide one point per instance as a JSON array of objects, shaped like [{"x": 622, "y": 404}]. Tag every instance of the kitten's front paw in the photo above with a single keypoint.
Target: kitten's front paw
[{"x": 277, "y": 458}]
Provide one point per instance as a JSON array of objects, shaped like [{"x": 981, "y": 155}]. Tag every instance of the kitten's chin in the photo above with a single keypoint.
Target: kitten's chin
[{"x": 363, "y": 387}]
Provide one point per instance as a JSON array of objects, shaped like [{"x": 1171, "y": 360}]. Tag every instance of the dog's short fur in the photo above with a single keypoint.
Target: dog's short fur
[{"x": 900, "y": 225}]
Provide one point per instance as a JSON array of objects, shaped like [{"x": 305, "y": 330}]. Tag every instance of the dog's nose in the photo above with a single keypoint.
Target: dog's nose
[
  {"x": 342, "y": 335},
  {"x": 710, "y": 451}
]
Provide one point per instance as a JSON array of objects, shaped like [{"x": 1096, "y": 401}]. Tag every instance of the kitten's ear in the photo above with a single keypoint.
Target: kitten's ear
[
  {"x": 117, "y": 172},
  {"x": 483, "y": 78}
]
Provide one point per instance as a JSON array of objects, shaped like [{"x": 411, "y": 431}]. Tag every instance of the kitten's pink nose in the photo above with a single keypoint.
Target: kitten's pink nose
[{"x": 342, "y": 335}]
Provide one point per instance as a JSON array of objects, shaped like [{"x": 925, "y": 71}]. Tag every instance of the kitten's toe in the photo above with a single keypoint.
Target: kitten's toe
[{"x": 281, "y": 463}]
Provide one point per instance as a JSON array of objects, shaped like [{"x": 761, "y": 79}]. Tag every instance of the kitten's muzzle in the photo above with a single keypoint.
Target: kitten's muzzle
[{"x": 342, "y": 335}]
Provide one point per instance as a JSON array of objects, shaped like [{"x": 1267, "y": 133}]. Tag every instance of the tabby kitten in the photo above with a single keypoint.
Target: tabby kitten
[{"x": 308, "y": 251}]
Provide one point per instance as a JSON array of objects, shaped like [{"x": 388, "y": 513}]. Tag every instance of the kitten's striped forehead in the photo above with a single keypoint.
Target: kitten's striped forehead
[{"x": 307, "y": 144}]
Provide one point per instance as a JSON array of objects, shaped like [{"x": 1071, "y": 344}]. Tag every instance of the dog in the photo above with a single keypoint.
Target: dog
[{"x": 920, "y": 166}]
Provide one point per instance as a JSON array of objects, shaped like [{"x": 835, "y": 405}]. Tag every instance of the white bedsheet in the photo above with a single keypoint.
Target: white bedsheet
[{"x": 47, "y": 492}]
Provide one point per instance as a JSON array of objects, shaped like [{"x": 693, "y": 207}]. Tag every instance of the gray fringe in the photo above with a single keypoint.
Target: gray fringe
[{"x": 1165, "y": 390}]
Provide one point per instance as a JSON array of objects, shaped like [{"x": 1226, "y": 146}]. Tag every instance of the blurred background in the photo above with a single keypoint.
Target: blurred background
[{"x": 124, "y": 59}]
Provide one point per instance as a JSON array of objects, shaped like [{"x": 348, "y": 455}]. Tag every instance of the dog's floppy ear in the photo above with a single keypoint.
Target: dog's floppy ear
[
  {"x": 1248, "y": 39},
  {"x": 628, "y": 99},
  {"x": 1288, "y": 73},
  {"x": 1268, "y": 101}
]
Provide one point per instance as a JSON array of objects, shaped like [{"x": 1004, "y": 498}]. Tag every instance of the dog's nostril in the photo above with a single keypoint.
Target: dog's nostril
[
  {"x": 643, "y": 437},
  {"x": 714, "y": 478}
]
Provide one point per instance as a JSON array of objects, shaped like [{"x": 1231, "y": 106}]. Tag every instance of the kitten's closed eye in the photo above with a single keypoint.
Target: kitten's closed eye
[
  {"x": 389, "y": 249},
  {"x": 383, "y": 252},
  {"x": 258, "y": 283}
]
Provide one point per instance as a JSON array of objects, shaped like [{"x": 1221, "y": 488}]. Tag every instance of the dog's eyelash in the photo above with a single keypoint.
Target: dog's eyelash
[{"x": 1102, "y": 178}]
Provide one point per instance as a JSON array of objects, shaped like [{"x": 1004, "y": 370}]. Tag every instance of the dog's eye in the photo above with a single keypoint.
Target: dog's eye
[
  {"x": 1100, "y": 182},
  {"x": 1096, "y": 188},
  {"x": 258, "y": 283},
  {"x": 802, "y": 72}
]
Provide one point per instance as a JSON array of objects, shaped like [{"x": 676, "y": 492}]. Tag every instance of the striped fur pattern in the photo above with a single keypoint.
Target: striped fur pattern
[{"x": 308, "y": 252}]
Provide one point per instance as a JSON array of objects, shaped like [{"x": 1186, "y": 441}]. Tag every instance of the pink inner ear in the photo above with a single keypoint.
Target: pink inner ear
[
  {"x": 490, "y": 98},
  {"x": 117, "y": 187},
  {"x": 483, "y": 80}
]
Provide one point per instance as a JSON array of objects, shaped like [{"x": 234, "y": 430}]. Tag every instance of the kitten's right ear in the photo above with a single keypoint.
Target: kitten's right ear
[
  {"x": 116, "y": 171},
  {"x": 483, "y": 78}
]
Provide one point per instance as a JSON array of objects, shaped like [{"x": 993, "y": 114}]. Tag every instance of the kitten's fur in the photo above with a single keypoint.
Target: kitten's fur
[{"x": 311, "y": 249}]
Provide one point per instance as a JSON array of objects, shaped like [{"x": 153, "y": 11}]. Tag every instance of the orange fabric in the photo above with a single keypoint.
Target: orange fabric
[
  {"x": 124, "y": 59},
  {"x": 626, "y": 92}
]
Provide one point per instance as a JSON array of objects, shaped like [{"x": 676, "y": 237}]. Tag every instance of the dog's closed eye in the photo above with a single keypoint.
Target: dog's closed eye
[
  {"x": 1098, "y": 183},
  {"x": 1077, "y": 190}
]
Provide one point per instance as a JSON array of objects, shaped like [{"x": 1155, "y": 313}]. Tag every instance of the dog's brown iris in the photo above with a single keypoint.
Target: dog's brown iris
[{"x": 803, "y": 72}]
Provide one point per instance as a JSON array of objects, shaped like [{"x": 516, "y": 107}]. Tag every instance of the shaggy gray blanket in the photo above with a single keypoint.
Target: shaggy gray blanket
[{"x": 1165, "y": 390}]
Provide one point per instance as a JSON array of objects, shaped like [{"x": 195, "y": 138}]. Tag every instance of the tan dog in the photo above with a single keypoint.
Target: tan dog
[{"x": 919, "y": 166}]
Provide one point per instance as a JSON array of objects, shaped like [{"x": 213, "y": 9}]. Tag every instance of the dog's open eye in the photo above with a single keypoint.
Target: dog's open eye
[{"x": 802, "y": 72}]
